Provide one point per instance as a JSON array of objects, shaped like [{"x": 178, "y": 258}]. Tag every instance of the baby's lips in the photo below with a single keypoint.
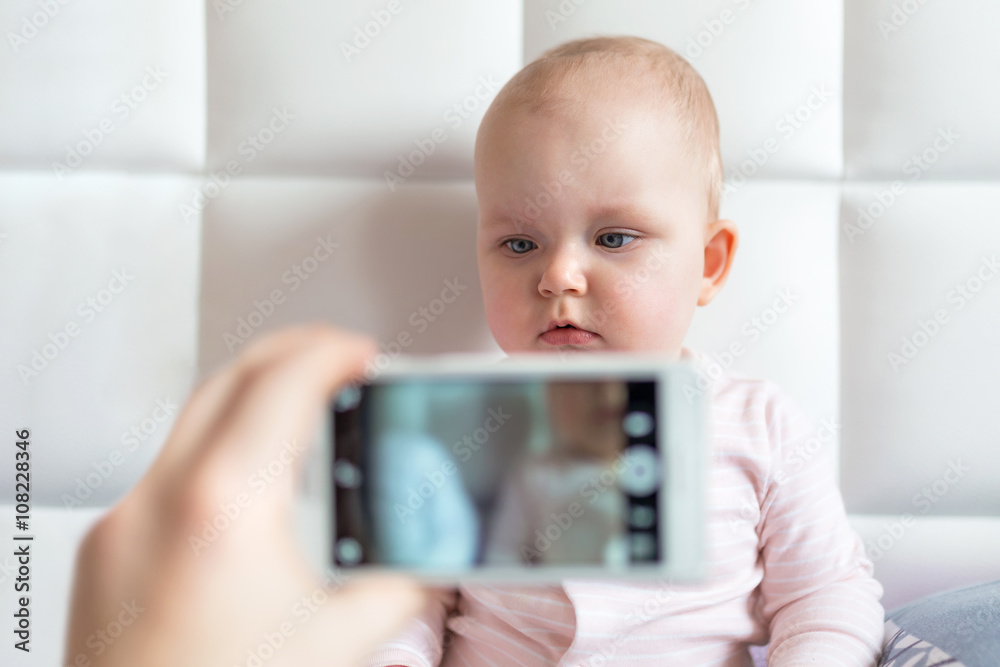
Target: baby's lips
[
  {"x": 568, "y": 336},
  {"x": 564, "y": 322}
]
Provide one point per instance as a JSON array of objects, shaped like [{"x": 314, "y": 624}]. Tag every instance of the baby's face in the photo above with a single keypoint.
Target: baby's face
[
  {"x": 587, "y": 416},
  {"x": 595, "y": 219}
]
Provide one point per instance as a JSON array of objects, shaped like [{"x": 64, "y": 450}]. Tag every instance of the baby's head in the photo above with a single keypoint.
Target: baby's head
[{"x": 598, "y": 177}]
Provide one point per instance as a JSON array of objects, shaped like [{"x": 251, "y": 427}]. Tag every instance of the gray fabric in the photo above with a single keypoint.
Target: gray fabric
[{"x": 963, "y": 624}]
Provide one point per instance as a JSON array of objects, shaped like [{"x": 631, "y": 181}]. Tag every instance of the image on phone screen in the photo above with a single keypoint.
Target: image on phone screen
[{"x": 452, "y": 473}]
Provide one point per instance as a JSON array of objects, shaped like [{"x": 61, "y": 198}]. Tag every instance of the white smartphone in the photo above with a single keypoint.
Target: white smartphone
[{"x": 536, "y": 468}]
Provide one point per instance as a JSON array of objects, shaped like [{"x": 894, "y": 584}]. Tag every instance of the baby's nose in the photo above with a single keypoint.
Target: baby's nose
[{"x": 564, "y": 273}]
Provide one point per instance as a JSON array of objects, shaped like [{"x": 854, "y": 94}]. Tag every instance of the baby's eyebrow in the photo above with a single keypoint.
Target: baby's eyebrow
[
  {"x": 624, "y": 212},
  {"x": 517, "y": 223}
]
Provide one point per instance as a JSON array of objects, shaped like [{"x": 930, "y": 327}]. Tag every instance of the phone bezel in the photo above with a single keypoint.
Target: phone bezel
[{"x": 681, "y": 442}]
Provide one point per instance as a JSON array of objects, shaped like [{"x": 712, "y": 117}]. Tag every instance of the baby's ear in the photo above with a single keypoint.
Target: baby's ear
[{"x": 722, "y": 238}]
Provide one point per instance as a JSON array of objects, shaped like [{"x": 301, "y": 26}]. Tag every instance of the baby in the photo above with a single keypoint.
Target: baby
[{"x": 598, "y": 176}]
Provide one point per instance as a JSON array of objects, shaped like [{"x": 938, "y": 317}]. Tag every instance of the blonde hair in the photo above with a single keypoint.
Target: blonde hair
[{"x": 620, "y": 65}]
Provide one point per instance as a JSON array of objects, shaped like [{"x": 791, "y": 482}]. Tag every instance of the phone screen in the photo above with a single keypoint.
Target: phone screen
[{"x": 452, "y": 473}]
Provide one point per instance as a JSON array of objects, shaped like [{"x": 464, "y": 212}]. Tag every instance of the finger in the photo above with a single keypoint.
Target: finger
[
  {"x": 202, "y": 409},
  {"x": 276, "y": 408},
  {"x": 213, "y": 401}
]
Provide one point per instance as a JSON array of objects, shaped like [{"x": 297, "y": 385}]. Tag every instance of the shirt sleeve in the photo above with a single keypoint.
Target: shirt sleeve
[
  {"x": 421, "y": 643},
  {"x": 818, "y": 595}
]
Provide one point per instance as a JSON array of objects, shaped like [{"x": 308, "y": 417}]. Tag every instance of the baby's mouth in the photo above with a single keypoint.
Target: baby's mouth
[{"x": 566, "y": 333}]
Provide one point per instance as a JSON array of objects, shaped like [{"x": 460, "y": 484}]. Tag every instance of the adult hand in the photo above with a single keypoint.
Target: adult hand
[{"x": 148, "y": 593}]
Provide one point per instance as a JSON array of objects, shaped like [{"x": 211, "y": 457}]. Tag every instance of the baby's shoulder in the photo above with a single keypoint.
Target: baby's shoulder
[
  {"x": 754, "y": 398},
  {"x": 753, "y": 409}
]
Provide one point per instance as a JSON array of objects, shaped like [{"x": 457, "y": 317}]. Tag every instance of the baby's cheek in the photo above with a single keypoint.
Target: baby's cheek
[
  {"x": 661, "y": 320},
  {"x": 505, "y": 316}
]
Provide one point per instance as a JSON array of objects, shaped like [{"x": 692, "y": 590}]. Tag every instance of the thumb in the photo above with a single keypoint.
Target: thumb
[{"x": 365, "y": 613}]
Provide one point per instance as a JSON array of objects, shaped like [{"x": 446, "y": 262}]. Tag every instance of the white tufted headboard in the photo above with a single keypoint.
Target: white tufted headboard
[{"x": 176, "y": 177}]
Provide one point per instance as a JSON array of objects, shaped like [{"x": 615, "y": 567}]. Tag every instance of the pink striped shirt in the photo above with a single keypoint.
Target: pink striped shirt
[{"x": 784, "y": 566}]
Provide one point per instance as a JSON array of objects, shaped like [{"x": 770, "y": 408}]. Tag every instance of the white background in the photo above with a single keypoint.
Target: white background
[{"x": 889, "y": 93}]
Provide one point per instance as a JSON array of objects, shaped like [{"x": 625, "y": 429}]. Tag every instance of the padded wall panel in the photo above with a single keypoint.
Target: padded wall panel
[
  {"x": 921, "y": 311},
  {"x": 761, "y": 60},
  {"x": 99, "y": 300},
  {"x": 928, "y": 555},
  {"x": 382, "y": 258},
  {"x": 114, "y": 84},
  {"x": 358, "y": 104},
  {"x": 778, "y": 310},
  {"x": 911, "y": 69}
]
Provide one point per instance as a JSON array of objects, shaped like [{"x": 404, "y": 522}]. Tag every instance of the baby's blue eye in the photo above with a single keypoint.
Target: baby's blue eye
[
  {"x": 520, "y": 246},
  {"x": 612, "y": 240}
]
